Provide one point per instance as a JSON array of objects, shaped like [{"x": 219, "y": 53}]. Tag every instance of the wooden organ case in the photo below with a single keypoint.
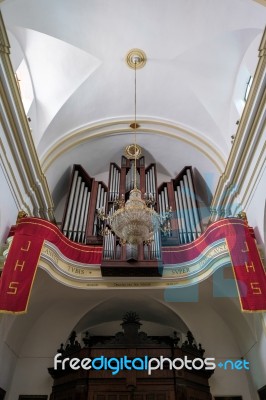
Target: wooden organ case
[
  {"x": 167, "y": 383},
  {"x": 86, "y": 195}
]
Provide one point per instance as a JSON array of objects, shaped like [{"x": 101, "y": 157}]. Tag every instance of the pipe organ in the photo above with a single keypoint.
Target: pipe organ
[
  {"x": 80, "y": 221},
  {"x": 114, "y": 182},
  {"x": 179, "y": 196},
  {"x": 86, "y": 195}
]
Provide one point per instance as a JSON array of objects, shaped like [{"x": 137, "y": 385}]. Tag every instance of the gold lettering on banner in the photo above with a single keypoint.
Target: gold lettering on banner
[
  {"x": 246, "y": 250},
  {"x": 51, "y": 254},
  {"x": 197, "y": 265},
  {"x": 255, "y": 287},
  {"x": 75, "y": 270},
  {"x": 252, "y": 266},
  {"x": 21, "y": 266},
  {"x": 180, "y": 270},
  {"x": 12, "y": 286},
  {"x": 28, "y": 247}
]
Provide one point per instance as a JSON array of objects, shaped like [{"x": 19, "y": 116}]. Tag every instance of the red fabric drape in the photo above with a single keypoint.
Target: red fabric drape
[
  {"x": 23, "y": 256},
  {"x": 247, "y": 265}
]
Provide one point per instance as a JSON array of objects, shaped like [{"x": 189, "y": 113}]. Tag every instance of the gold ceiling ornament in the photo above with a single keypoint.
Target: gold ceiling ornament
[
  {"x": 132, "y": 151},
  {"x": 134, "y": 126},
  {"x": 135, "y": 221},
  {"x": 136, "y": 58}
]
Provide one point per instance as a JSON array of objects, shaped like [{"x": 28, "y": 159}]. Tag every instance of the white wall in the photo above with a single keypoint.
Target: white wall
[
  {"x": 36, "y": 336},
  {"x": 7, "y": 355}
]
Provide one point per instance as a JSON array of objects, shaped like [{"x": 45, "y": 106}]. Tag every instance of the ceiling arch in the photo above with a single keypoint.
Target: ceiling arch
[{"x": 84, "y": 91}]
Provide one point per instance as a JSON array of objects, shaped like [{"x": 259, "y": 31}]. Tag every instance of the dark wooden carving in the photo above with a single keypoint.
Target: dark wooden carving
[
  {"x": 262, "y": 393},
  {"x": 163, "y": 384},
  {"x": 2, "y": 394}
]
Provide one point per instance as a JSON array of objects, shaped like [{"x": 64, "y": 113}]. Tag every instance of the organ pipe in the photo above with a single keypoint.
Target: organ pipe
[
  {"x": 189, "y": 205},
  {"x": 193, "y": 200},
  {"x": 84, "y": 223},
  {"x": 178, "y": 215},
  {"x": 149, "y": 183},
  {"x": 160, "y": 203},
  {"x": 166, "y": 199},
  {"x": 83, "y": 214},
  {"x": 86, "y": 195},
  {"x": 70, "y": 203},
  {"x": 182, "y": 214},
  {"x": 114, "y": 183},
  {"x": 74, "y": 209},
  {"x": 77, "y": 208},
  {"x": 78, "y": 213},
  {"x": 184, "y": 202},
  {"x": 163, "y": 202},
  {"x": 111, "y": 183},
  {"x": 153, "y": 181}
]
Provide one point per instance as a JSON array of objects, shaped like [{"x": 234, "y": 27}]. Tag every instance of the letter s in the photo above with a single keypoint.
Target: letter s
[{"x": 209, "y": 364}]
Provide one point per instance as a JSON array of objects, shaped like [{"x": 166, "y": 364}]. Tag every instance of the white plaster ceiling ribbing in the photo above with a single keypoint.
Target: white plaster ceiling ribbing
[{"x": 197, "y": 52}]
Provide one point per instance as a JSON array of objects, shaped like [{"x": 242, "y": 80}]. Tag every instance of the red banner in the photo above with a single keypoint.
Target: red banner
[
  {"x": 18, "y": 274},
  {"x": 248, "y": 269},
  {"x": 247, "y": 265},
  {"x": 30, "y": 233},
  {"x": 23, "y": 256}
]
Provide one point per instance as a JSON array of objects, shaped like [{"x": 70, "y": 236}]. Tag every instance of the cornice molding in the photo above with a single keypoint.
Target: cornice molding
[
  {"x": 247, "y": 157},
  {"x": 18, "y": 153}
]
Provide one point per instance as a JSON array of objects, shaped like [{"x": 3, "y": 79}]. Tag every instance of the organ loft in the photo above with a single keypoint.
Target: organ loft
[{"x": 175, "y": 202}]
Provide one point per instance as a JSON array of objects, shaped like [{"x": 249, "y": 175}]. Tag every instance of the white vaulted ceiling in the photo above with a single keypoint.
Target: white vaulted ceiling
[{"x": 200, "y": 54}]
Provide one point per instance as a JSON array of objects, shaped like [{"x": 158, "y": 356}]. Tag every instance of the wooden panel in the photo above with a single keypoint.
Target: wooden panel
[
  {"x": 131, "y": 395},
  {"x": 33, "y": 397},
  {"x": 262, "y": 393}
]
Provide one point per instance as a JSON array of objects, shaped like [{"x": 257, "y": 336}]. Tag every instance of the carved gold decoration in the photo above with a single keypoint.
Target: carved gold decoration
[
  {"x": 243, "y": 216},
  {"x": 132, "y": 151},
  {"x": 134, "y": 125},
  {"x": 21, "y": 214}
]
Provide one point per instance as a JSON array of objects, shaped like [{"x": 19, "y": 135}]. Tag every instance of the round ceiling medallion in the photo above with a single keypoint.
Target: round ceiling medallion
[
  {"x": 136, "y": 58},
  {"x": 133, "y": 151}
]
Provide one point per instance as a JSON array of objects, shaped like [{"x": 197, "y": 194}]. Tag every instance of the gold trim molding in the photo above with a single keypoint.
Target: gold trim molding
[{"x": 116, "y": 127}]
